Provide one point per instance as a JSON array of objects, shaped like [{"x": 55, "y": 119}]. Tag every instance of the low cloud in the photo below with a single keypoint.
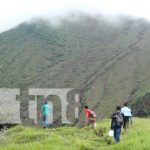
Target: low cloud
[{"x": 15, "y": 12}]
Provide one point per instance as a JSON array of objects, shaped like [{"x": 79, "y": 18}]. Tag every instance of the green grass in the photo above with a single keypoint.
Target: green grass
[
  {"x": 73, "y": 138},
  {"x": 69, "y": 55},
  {"x": 137, "y": 138}
]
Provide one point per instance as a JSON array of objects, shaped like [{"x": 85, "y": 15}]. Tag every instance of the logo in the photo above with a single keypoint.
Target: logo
[{"x": 16, "y": 107}]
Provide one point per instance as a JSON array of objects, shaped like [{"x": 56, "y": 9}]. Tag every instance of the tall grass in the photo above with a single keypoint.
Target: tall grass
[{"x": 72, "y": 138}]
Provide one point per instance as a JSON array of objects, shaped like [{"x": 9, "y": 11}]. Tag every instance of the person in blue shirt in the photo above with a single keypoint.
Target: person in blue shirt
[{"x": 45, "y": 112}]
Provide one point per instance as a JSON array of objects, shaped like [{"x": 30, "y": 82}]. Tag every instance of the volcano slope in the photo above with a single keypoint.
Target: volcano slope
[{"x": 108, "y": 62}]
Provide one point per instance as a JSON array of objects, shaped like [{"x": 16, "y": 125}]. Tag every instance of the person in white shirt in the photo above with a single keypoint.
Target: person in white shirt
[{"x": 127, "y": 115}]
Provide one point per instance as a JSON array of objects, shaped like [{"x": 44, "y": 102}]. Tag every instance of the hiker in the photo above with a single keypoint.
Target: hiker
[
  {"x": 90, "y": 118},
  {"x": 127, "y": 115},
  {"x": 117, "y": 123},
  {"x": 45, "y": 112}
]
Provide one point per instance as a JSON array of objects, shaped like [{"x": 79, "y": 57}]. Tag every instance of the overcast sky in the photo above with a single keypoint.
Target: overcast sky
[{"x": 13, "y": 12}]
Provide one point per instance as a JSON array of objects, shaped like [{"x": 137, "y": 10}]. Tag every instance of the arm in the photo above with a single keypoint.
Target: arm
[
  {"x": 131, "y": 118},
  {"x": 86, "y": 113},
  {"x": 112, "y": 121},
  {"x": 123, "y": 120},
  {"x": 41, "y": 111}
]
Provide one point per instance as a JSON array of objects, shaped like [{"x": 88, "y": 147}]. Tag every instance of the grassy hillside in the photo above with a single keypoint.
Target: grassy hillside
[
  {"x": 108, "y": 62},
  {"x": 72, "y": 138}
]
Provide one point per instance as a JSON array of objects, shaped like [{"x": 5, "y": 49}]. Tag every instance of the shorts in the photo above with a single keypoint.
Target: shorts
[
  {"x": 126, "y": 120},
  {"x": 91, "y": 121}
]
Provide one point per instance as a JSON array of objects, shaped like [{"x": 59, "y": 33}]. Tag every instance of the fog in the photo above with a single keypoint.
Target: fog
[{"x": 14, "y": 12}]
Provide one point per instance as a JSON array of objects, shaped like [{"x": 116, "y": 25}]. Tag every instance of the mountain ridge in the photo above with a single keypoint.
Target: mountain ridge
[{"x": 108, "y": 64}]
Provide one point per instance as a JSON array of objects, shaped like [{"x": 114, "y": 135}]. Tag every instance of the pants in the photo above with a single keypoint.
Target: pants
[
  {"x": 45, "y": 120},
  {"x": 117, "y": 132}
]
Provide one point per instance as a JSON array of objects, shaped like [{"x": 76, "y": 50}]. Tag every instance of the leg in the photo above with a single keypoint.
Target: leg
[
  {"x": 93, "y": 123},
  {"x": 87, "y": 123},
  {"x": 126, "y": 125},
  {"x": 44, "y": 121},
  {"x": 118, "y": 132},
  {"x": 131, "y": 121},
  {"x": 115, "y": 134},
  {"x": 94, "y": 127}
]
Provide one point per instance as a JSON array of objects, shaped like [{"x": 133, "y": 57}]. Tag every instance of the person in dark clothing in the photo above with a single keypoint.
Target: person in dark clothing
[{"x": 116, "y": 123}]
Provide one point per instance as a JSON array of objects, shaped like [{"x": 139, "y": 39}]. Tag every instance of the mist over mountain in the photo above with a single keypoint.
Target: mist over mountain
[{"x": 107, "y": 61}]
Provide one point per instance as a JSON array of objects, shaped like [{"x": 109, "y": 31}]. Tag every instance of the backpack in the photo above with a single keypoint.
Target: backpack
[
  {"x": 119, "y": 119},
  {"x": 93, "y": 114}
]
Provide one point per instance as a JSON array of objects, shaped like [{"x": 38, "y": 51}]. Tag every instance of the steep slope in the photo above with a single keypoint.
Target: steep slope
[{"x": 108, "y": 63}]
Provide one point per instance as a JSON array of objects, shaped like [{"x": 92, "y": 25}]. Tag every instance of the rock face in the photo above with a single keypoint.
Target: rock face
[{"x": 107, "y": 64}]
